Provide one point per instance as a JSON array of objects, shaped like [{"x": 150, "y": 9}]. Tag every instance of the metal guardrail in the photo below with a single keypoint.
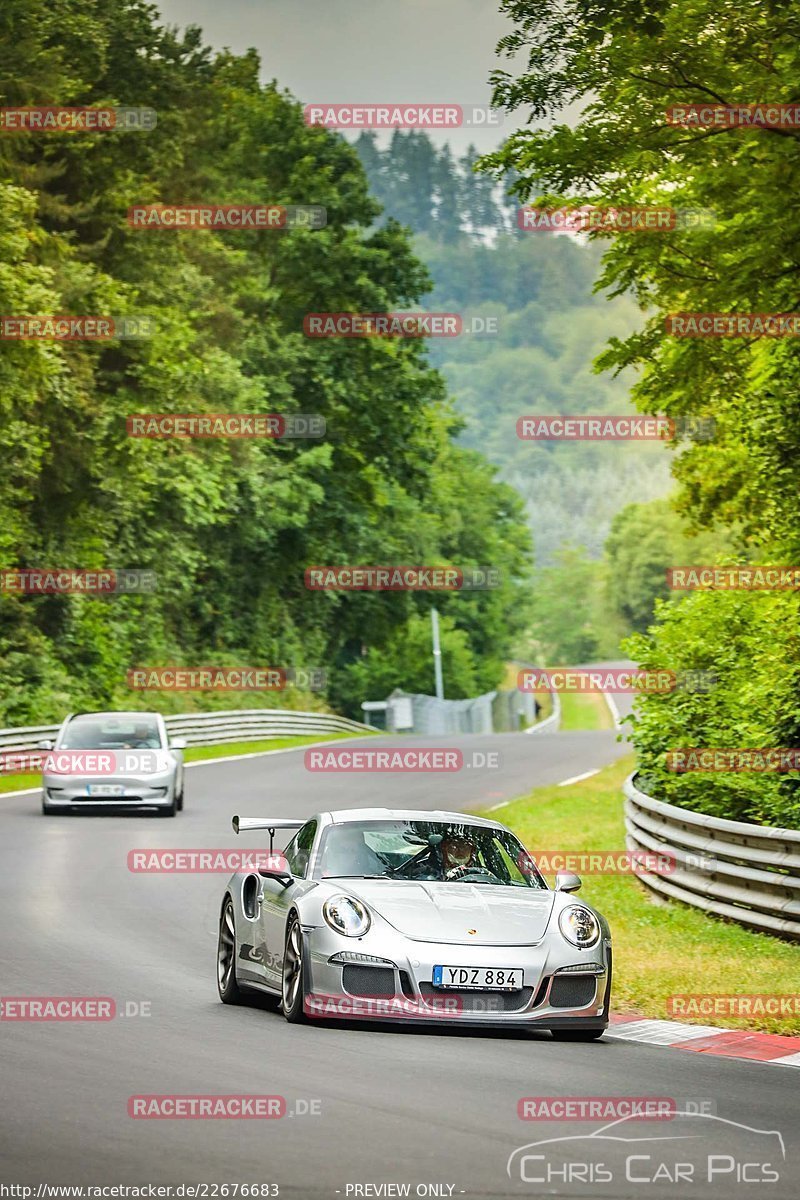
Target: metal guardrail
[
  {"x": 553, "y": 722},
  {"x": 199, "y": 729},
  {"x": 748, "y": 873}
]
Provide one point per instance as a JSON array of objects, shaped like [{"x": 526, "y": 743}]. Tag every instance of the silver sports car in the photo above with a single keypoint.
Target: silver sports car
[
  {"x": 402, "y": 915},
  {"x": 113, "y": 760}
]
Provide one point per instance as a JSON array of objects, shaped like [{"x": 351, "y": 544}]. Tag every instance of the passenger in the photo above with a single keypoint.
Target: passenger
[{"x": 346, "y": 853}]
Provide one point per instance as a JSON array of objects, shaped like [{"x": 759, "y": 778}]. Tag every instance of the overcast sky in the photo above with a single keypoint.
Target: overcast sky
[{"x": 341, "y": 51}]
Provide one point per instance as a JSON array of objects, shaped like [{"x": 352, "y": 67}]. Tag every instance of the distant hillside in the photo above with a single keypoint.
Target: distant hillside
[{"x": 550, "y": 329}]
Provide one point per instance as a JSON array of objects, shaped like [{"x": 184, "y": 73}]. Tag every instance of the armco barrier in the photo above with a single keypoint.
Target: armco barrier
[
  {"x": 748, "y": 873},
  {"x": 551, "y": 723},
  {"x": 236, "y": 725}
]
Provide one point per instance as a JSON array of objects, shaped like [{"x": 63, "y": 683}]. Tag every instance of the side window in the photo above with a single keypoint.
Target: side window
[
  {"x": 298, "y": 852},
  {"x": 291, "y": 850}
]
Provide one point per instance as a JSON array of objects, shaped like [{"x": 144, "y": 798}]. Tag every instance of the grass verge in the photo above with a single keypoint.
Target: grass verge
[
  {"x": 661, "y": 948},
  {"x": 585, "y": 710},
  {"x": 231, "y": 749}
]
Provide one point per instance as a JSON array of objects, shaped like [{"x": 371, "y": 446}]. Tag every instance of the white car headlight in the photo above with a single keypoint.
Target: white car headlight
[
  {"x": 346, "y": 915},
  {"x": 579, "y": 926}
]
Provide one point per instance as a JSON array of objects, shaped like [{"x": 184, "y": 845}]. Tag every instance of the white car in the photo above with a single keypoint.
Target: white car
[{"x": 113, "y": 761}]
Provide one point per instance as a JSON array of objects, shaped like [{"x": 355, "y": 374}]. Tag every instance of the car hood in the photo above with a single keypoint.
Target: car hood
[
  {"x": 459, "y": 913},
  {"x": 66, "y": 768}
]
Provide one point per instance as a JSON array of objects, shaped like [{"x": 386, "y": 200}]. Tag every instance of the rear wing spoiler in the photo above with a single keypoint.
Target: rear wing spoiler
[{"x": 245, "y": 824}]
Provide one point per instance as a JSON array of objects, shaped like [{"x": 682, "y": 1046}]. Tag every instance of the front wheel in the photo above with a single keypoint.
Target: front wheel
[
  {"x": 577, "y": 1035},
  {"x": 169, "y": 810},
  {"x": 227, "y": 986},
  {"x": 292, "y": 990}
]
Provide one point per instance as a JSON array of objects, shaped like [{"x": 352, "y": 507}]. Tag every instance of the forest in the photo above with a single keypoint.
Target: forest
[{"x": 226, "y": 526}]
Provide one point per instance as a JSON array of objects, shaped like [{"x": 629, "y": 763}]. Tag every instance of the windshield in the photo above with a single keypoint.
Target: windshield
[
  {"x": 437, "y": 851},
  {"x": 111, "y": 732}
]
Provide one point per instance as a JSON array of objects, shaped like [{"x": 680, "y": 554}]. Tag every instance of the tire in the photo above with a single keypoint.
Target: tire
[
  {"x": 169, "y": 810},
  {"x": 293, "y": 990},
  {"x": 52, "y": 810},
  {"x": 227, "y": 985},
  {"x": 180, "y": 801},
  {"x": 577, "y": 1035}
]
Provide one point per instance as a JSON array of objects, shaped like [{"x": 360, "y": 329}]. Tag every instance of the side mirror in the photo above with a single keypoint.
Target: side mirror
[
  {"x": 178, "y": 743},
  {"x": 567, "y": 882},
  {"x": 45, "y": 745},
  {"x": 283, "y": 876}
]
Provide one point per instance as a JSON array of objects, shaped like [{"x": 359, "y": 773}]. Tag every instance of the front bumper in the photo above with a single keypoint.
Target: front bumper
[
  {"x": 151, "y": 791},
  {"x": 401, "y": 987}
]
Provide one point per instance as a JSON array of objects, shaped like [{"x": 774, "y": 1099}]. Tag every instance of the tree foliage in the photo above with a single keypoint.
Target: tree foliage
[
  {"x": 548, "y": 328},
  {"x": 425, "y": 188},
  {"x": 644, "y": 542},
  {"x": 619, "y": 67},
  {"x": 228, "y": 526},
  {"x": 624, "y": 65}
]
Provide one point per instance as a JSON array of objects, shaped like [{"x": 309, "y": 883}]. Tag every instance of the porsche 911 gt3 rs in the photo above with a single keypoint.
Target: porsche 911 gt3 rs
[{"x": 407, "y": 915}]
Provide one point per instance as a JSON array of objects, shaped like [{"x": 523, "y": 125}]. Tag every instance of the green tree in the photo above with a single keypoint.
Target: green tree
[
  {"x": 406, "y": 662},
  {"x": 564, "y": 605},
  {"x": 228, "y": 527},
  {"x": 744, "y": 642},
  {"x": 621, "y": 67},
  {"x": 644, "y": 542}
]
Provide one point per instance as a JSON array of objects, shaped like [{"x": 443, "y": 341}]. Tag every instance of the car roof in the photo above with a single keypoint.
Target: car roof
[
  {"x": 344, "y": 816},
  {"x": 136, "y": 714},
  {"x": 113, "y": 712}
]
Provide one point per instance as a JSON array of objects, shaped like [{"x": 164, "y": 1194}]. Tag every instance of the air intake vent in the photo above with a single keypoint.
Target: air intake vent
[
  {"x": 481, "y": 1002},
  {"x": 541, "y": 992},
  {"x": 572, "y": 991},
  {"x": 407, "y": 986},
  {"x": 368, "y": 981}
]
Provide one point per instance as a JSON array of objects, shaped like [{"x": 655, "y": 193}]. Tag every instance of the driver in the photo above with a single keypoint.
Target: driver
[
  {"x": 458, "y": 854},
  {"x": 140, "y": 739}
]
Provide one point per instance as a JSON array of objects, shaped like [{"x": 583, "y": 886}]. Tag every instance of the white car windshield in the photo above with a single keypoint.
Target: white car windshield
[
  {"x": 99, "y": 732},
  {"x": 436, "y": 851}
]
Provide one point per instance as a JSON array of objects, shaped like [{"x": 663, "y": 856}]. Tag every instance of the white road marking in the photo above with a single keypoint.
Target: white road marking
[
  {"x": 663, "y": 1033},
  {"x": 789, "y": 1060},
  {"x": 613, "y": 709},
  {"x": 677, "y": 1034},
  {"x": 579, "y": 778}
]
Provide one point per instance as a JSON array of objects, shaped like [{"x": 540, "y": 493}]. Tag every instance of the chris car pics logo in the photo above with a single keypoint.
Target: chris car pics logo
[{"x": 697, "y": 1149}]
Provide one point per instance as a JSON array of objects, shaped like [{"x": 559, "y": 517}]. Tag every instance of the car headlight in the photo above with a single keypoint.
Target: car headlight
[
  {"x": 579, "y": 926},
  {"x": 346, "y": 915}
]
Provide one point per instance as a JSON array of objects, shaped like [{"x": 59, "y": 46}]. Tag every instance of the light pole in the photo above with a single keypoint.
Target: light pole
[{"x": 437, "y": 655}]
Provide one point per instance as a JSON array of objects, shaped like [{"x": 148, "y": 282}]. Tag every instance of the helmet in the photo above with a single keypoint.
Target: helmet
[{"x": 457, "y": 852}]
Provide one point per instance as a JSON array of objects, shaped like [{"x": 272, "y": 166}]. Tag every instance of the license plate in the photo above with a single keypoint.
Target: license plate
[
  {"x": 105, "y": 789},
  {"x": 483, "y": 979}
]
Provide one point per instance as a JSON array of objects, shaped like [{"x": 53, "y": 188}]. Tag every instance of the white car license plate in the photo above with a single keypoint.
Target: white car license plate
[
  {"x": 484, "y": 979},
  {"x": 105, "y": 789}
]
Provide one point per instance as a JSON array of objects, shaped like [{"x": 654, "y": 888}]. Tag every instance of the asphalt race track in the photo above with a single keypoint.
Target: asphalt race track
[{"x": 401, "y": 1106}]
